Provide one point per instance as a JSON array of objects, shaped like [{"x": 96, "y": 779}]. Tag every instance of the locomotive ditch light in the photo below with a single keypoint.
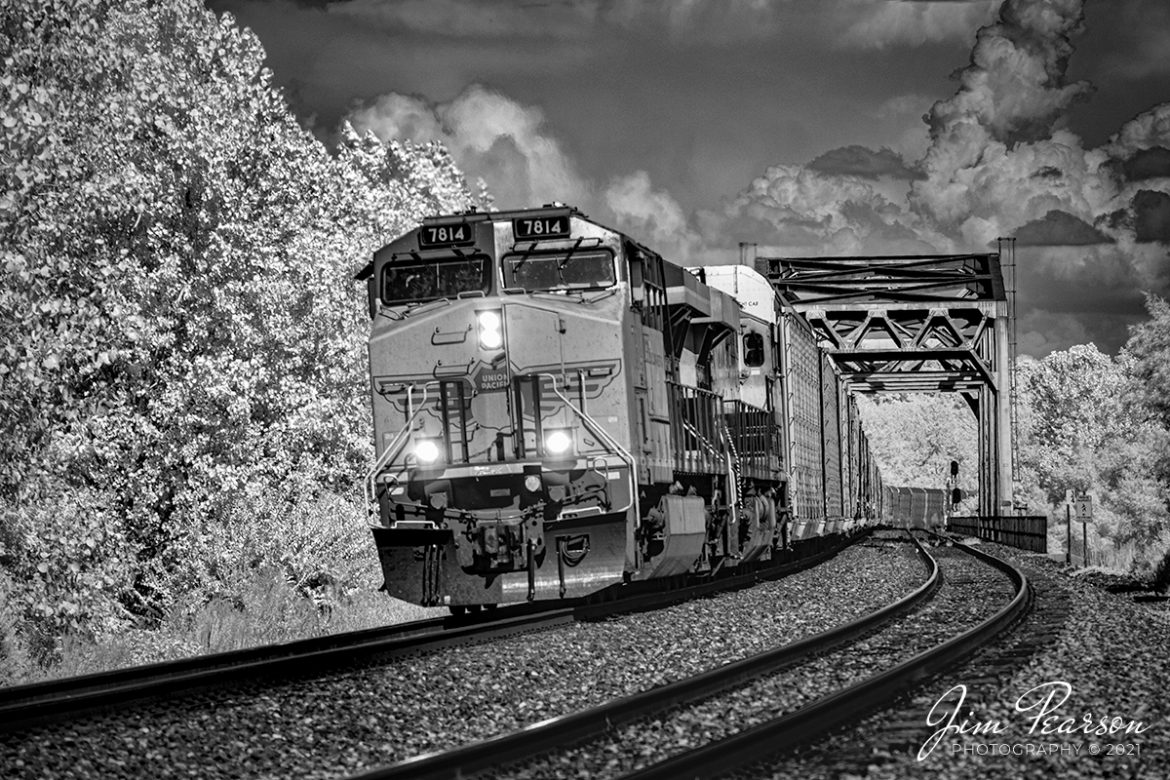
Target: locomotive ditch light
[
  {"x": 427, "y": 450},
  {"x": 558, "y": 441},
  {"x": 491, "y": 333},
  {"x": 532, "y": 483}
]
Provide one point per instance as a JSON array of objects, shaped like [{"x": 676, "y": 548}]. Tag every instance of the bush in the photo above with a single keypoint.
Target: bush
[
  {"x": 265, "y": 568},
  {"x": 318, "y": 545},
  {"x": 17, "y": 661},
  {"x": 68, "y": 567}
]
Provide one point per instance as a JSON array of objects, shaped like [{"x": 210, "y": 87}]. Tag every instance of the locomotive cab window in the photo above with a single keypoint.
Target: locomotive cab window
[
  {"x": 565, "y": 270},
  {"x": 418, "y": 281},
  {"x": 753, "y": 350}
]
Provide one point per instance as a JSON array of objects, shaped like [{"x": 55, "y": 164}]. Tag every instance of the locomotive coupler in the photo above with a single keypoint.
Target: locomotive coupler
[{"x": 501, "y": 544}]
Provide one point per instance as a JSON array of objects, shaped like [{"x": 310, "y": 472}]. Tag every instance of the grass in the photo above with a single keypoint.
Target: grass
[
  {"x": 246, "y": 585},
  {"x": 268, "y": 611}
]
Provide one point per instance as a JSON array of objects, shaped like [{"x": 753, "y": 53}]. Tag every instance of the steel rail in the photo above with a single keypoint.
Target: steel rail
[
  {"x": 595, "y": 722},
  {"x": 54, "y": 700},
  {"x": 24, "y": 705},
  {"x": 849, "y": 704}
]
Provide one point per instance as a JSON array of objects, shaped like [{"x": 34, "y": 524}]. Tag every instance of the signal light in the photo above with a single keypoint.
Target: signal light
[{"x": 491, "y": 333}]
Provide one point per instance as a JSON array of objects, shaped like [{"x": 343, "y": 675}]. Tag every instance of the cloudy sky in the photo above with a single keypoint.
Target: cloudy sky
[{"x": 803, "y": 126}]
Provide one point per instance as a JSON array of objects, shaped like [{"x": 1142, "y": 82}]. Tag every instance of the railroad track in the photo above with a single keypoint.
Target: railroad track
[
  {"x": 635, "y": 733},
  {"x": 55, "y": 701}
]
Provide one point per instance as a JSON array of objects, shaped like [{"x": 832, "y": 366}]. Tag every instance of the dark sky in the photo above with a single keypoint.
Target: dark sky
[{"x": 794, "y": 124}]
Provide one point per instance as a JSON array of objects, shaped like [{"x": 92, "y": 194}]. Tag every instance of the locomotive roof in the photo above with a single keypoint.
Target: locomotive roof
[{"x": 474, "y": 215}]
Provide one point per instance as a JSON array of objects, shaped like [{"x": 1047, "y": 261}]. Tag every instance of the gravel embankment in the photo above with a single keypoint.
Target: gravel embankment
[
  {"x": 639, "y": 744},
  {"x": 349, "y": 721},
  {"x": 1111, "y": 652}
]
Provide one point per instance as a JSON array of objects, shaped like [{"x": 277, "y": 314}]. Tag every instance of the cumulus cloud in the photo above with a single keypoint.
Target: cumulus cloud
[
  {"x": 1145, "y": 131},
  {"x": 490, "y": 136},
  {"x": 998, "y": 155},
  {"x": 997, "y": 159},
  {"x": 1013, "y": 90},
  {"x": 506, "y": 144},
  {"x": 798, "y": 210},
  {"x": 1151, "y": 211},
  {"x": 652, "y": 216},
  {"x": 1059, "y": 228},
  {"x": 1152, "y": 163},
  {"x": 864, "y": 162},
  {"x": 1093, "y": 224}
]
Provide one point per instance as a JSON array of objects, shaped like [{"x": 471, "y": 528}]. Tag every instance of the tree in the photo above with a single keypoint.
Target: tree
[
  {"x": 181, "y": 330},
  {"x": 1149, "y": 348},
  {"x": 916, "y": 436},
  {"x": 1086, "y": 426},
  {"x": 1075, "y": 409}
]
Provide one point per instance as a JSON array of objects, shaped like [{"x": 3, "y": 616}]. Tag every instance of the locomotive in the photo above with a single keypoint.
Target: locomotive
[{"x": 558, "y": 409}]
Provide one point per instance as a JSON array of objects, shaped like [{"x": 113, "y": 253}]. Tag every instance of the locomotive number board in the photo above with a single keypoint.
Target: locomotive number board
[
  {"x": 455, "y": 234},
  {"x": 541, "y": 227}
]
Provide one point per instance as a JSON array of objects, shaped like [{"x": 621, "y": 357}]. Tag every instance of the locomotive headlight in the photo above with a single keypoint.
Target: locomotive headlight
[
  {"x": 427, "y": 450},
  {"x": 491, "y": 329},
  {"x": 558, "y": 441}
]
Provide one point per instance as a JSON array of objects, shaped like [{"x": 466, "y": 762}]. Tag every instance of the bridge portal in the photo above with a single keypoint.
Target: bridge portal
[{"x": 917, "y": 323}]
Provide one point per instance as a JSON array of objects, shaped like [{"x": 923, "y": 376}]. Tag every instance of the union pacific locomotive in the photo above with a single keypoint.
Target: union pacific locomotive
[{"x": 559, "y": 409}]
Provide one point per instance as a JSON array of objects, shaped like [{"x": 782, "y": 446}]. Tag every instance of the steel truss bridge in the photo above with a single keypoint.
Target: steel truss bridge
[{"x": 917, "y": 323}]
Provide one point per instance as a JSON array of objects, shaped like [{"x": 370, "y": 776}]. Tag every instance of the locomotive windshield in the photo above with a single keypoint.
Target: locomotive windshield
[
  {"x": 418, "y": 281},
  {"x": 568, "y": 270}
]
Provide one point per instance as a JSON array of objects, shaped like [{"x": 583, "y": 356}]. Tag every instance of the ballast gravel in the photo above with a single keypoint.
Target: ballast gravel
[
  {"x": 346, "y": 722},
  {"x": 1109, "y": 658},
  {"x": 637, "y": 745}
]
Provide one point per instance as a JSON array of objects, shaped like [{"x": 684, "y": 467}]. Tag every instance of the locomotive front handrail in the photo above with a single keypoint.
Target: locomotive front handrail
[
  {"x": 393, "y": 449},
  {"x": 602, "y": 434}
]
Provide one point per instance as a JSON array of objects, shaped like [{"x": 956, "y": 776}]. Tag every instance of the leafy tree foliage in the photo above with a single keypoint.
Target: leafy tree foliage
[
  {"x": 1149, "y": 347},
  {"x": 181, "y": 333},
  {"x": 916, "y": 436},
  {"x": 1086, "y": 422},
  {"x": 1086, "y": 426},
  {"x": 1075, "y": 413}
]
